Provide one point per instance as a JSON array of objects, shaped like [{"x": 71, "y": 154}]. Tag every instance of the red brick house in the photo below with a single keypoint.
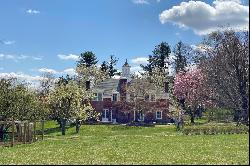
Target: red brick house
[{"x": 116, "y": 105}]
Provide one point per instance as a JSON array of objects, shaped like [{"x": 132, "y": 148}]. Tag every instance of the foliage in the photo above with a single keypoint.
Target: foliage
[
  {"x": 69, "y": 101},
  {"x": 87, "y": 59},
  {"x": 190, "y": 91},
  {"x": 18, "y": 102},
  {"x": 104, "y": 66},
  {"x": 93, "y": 74},
  {"x": 215, "y": 129},
  {"x": 181, "y": 54},
  {"x": 220, "y": 114},
  {"x": 158, "y": 59},
  {"x": 111, "y": 67},
  {"x": 226, "y": 66}
]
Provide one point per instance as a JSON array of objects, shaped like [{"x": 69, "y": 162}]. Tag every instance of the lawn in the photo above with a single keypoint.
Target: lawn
[{"x": 117, "y": 144}]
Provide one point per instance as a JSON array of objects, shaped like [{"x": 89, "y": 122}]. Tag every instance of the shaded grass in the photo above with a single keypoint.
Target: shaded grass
[{"x": 117, "y": 144}]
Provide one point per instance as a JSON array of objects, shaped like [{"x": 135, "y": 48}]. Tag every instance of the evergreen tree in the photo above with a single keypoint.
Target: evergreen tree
[
  {"x": 158, "y": 59},
  {"x": 148, "y": 67},
  {"x": 180, "y": 53},
  {"x": 161, "y": 53},
  {"x": 112, "y": 71},
  {"x": 88, "y": 59},
  {"x": 104, "y": 66}
]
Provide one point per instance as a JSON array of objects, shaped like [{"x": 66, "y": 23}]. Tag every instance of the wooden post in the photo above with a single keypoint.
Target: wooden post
[
  {"x": 24, "y": 132},
  {"x": 13, "y": 133},
  {"x": 42, "y": 129},
  {"x": 28, "y": 132},
  {"x": 34, "y": 131}
]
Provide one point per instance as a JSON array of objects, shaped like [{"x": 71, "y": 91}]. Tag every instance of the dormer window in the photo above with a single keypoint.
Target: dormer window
[
  {"x": 115, "y": 97},
  {"x": 95, "y": 98}
]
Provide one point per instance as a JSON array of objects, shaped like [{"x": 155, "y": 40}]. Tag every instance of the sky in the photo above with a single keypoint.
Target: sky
[{"x": 44, "y": 35}]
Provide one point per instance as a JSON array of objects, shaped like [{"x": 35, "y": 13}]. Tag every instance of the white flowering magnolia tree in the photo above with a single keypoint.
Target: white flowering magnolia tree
[{"x": 70, "y": 101}]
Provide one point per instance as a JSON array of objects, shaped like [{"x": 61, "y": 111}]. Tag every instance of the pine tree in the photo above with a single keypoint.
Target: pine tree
[
  {"x": 104, "y": 66},
  {"x": 112, "y": 71},
  {"x": 180, "y": 52},
  {"x": 158, "y": 59},
  {"x": 88, "y": 59}
]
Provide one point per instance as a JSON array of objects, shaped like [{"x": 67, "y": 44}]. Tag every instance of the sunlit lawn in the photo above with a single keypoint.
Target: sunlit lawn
[{"x": 110, "y": 144}]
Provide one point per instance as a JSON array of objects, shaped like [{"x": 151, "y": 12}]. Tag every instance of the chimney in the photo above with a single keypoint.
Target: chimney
[
  {"x": 87, "y": 85},
  {"x": 166, "y": 87},
  {"x": 122, "y": 88}
]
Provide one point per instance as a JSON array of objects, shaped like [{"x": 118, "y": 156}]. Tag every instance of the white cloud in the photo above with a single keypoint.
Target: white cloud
[
  {"x": 136, "y": 69},
  {"x": 37, "y": 58},
  {"x": 69, "y": 71},
  {"x": 68, "y": 57},
  {"x": 16, "y": 58},
  {"x": 32, "y": 80},
  {"x": 140, "y": 2},
  {"x": 7, "y": 42},
  {"x": 204, "y": 18},
  {"x": 31, "y": 11},
  {"x": 140, "y": 60},
  {"x": 46, "y": 70}
]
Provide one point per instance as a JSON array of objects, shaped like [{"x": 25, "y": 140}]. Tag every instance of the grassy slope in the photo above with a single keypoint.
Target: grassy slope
[{"x": 129, "y": 145}]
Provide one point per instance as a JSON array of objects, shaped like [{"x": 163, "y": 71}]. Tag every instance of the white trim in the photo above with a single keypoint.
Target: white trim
[
  {"x": 156, "y": 115},
  {"x": 105, "y": 119}
]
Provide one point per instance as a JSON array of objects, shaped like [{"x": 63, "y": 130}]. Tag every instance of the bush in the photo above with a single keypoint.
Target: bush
[
  {"x": 220, "y": 115},
  {"x": 215, "y": 129}
]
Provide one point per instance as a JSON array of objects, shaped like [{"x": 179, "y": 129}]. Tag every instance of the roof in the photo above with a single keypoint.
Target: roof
[{"x": 108, "y": 86}]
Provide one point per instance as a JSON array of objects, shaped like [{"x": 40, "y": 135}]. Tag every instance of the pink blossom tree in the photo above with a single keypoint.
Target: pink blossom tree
[{"x": 191, "y": 91}]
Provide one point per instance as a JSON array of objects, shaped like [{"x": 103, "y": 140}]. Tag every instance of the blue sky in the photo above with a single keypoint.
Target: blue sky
[{"x": 34, "y": 33}]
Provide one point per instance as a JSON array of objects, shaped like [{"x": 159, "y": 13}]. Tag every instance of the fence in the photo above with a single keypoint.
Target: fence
[{"x": 18, "y": 132}]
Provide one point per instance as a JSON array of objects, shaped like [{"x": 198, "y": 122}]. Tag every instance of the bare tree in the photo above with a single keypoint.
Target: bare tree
[{"x": 226, "y": 66}]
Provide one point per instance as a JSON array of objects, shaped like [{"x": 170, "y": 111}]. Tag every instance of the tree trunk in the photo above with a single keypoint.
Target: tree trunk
[
  {"x": 78, "y": 125},
  {"x": 63, "y": 124}
]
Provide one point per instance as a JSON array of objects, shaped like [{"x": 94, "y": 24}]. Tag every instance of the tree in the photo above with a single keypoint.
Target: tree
[
  {"x": 92, "y": 74},
  {"x": 159, "y": 58},
  {"x": 111, "y": 68},
  {"x": 181, "y": 53},
  {"x": 227, "y": 69},
  {"x": 190, "y": 91},
  {"x": 46, "y": 83},
  {"x": 17, "y": 102},
  {"x": 88, "y": 59},
  {"x": 139, "y": 89},
  {"x": 69, "y": 101},
  {"x": 104, "y": 66}
]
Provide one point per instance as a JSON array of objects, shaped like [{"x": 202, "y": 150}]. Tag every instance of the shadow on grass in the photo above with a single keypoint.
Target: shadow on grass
[{"x": 53, "y": 130}]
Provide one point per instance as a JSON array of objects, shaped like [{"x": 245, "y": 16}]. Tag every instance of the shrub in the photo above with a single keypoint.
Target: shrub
[{"x": 215, "y": 129}]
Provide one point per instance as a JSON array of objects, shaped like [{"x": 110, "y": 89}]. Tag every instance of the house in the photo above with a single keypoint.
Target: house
[{"x": 116, "y": 105}]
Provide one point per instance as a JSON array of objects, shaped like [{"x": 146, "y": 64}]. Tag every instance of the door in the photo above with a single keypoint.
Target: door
[{"x": 105, "y": 115}]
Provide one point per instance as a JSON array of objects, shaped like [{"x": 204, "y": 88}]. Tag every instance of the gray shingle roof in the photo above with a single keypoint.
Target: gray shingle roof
[{"x": 108, "y": 85}]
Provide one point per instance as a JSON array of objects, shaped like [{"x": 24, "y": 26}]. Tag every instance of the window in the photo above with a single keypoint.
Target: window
[
  {"x": 99, "y": 96},
  {"x": 105, "y": 113},
  {"x": 141, "y": 116},
  {"x": 146, "y": 97},
  {"x": 158, "y": 114},
  {"x": 152, "y": 97},
  {"x": 115, "y": 97},
  {"x": 95, "y": 97}
]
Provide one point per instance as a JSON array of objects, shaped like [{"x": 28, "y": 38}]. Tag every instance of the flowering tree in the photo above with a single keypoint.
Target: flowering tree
[
  {"x": 70, "y": 101},
  {"x": 191, "y": 91}
]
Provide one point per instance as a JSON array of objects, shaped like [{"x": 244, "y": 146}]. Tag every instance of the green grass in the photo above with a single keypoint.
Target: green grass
[{"x": 116, "y": 144}]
